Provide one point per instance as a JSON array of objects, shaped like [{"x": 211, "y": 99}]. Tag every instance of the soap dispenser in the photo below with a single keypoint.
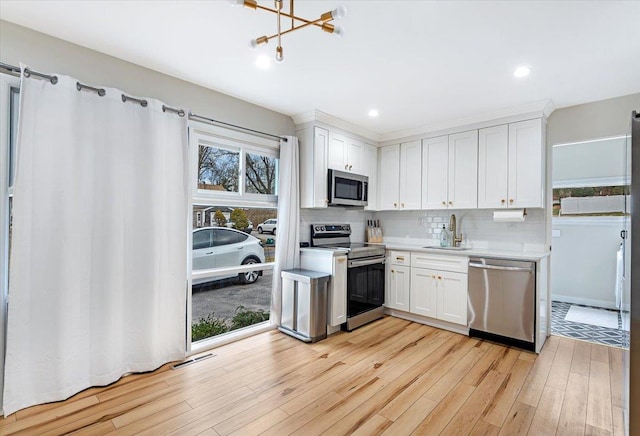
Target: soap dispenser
[{"x": 444, "y": 237}]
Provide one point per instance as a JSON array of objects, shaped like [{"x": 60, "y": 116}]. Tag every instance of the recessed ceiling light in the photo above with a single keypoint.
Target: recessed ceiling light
[
  {"x": 522, "y": 71},
  {"x": 374, "y": 113},
  {"x": 263, "y": 62}
]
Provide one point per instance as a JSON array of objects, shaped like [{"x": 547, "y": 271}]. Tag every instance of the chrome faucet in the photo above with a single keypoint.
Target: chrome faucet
[{"x": 455, "y": 239}]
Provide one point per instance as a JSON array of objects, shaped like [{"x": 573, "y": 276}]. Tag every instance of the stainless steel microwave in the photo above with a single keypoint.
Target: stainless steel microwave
[{"x": 347, "y": 189}]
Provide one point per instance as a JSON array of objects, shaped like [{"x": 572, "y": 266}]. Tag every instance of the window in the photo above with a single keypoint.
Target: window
[
  {"x": 591, "y": 201},
  {"x": 234, "y": 168},
  {"x": 234, "y": 192}
]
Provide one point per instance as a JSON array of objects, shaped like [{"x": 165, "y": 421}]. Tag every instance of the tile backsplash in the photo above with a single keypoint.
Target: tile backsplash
[{"x": 477, "y": 226}]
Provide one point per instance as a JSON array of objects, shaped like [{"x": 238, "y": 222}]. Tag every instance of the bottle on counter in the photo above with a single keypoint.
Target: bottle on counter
[{"x": 444, "y": 237}]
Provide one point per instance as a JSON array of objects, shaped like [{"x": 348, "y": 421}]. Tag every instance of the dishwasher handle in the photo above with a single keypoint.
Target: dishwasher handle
[{"x": 500, "y": 268}]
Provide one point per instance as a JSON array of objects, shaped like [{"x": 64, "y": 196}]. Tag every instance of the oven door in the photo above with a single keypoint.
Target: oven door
[{"x": 365, "y": 285}]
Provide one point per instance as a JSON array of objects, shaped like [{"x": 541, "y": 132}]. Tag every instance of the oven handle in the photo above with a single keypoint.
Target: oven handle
[{"x": 357, "y": 263}]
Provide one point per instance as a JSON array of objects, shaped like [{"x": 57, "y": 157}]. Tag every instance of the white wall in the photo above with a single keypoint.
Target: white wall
[
  {"x": 583, "y": 269},
  {"x": 590, "y": 162},
  {"x": 47, "y": 54}
]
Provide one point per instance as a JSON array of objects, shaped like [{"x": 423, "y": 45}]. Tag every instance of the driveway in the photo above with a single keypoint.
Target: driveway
[{"x": 222, "y": 297}]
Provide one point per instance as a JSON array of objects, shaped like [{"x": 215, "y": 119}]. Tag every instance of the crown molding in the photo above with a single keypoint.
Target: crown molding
[
  {"x": 539, "y": 109},
  {"x": 322, "y": 117}
]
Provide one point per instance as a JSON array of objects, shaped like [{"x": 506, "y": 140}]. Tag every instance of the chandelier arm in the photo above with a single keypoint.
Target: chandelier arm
[
  {"x": 293, "y": 17},
  {"x": 292, "y": 29}
]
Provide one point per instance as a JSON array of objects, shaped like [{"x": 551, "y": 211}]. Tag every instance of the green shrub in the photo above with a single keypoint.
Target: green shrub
[
  {"x": 245, "y": 317},
  {"x": 219, "y": 218},
  {"x": 207, "y": 327},
  {"x": 239, "y": 219}
]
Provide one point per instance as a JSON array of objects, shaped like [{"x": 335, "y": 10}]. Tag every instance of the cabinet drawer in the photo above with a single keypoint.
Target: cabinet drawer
[
  {"x": 399, "y": 257},
  {"x": 440, "y": 262}
]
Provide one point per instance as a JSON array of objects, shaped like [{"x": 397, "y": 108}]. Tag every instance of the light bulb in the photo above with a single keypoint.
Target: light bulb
[
  {"x": 279, "y": 54},
  {"x": 374, "y": 113},
  {"x": 522, "y": 71},
  {"x": 338, "y": 31},
  {"x": 339, "y": 12},
  {"x": 259, "y": 41}
]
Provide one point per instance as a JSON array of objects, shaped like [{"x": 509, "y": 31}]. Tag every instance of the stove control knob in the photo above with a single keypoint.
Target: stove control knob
[
  {"x": 323, "y": 228},
  {"x": 345, "y": 227}
]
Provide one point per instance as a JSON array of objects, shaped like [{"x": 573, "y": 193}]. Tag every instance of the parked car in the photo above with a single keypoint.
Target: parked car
[
  {"x": 268, "y": 226},
  {"x": 219, "y": 247}
]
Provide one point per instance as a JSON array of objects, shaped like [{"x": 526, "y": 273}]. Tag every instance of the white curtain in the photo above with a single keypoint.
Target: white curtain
[
  {"x": 99, "y": 244},
  {"x": 288, "y": 245}
]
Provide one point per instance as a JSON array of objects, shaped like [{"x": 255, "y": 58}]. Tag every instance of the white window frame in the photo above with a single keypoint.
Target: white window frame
[
  {"x": 201, "y": 133},
  {"x": 204, "y": 134},
  {"x": 6, "y": 83}
]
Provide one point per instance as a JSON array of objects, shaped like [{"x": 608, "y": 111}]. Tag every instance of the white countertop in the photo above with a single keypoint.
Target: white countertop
[
  {"x": 531, "y": 255},
  {"x": 328, "y": 251}
]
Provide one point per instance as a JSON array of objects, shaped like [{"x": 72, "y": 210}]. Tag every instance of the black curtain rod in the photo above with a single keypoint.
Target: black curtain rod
[{"x": 15, "y": 71}]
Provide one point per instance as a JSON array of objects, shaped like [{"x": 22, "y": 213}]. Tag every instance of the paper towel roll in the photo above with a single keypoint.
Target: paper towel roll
[{"x": 509, "y": 216}]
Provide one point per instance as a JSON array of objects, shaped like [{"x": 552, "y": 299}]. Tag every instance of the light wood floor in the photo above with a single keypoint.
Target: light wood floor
[{"x": 393, "y": 377}]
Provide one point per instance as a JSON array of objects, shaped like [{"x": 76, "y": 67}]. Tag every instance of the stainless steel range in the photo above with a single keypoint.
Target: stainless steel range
[{"x": 365, "y": 272}]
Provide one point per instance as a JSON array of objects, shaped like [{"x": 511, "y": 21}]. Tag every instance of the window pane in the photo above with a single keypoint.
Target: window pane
[
  {"x": 231, "y": 301},
  {"x": 591, "y": 201},
  {"x": 201, "y": 239},
  {"x": 14, "y": 105},
  {"x": 261, "y": 173},
  {"x": 218, "y": 169}
]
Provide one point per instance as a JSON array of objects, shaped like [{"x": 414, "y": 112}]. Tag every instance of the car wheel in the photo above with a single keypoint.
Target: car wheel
[
  {"x": 249, "y": 276},
  {"x": 274, "y": 231},
  {"x": 260, "y": 230}
]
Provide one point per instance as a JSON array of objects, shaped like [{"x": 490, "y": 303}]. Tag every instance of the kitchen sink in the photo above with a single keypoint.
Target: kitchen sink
[{"x": 449, "y": 248}]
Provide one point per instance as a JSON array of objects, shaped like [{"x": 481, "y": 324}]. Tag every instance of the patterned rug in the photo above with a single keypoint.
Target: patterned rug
[{"x": 586, "y": 332}]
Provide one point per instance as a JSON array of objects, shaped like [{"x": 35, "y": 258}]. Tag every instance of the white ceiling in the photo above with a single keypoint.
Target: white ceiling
[{"x": 419, "y": 63}]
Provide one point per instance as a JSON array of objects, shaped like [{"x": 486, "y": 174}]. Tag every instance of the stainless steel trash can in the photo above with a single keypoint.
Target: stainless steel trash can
[{"x": 304, "y": 304}]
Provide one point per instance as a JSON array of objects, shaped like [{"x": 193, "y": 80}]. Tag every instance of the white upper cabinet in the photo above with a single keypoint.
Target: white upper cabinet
[
  {"x": 510, "y": 169},
  {"x": 313, "y": 167},
  {"x": 371, "y": 169},
  {"x": 450, "y": 169},
  {"x": 410, "y": 193},
  {"x": 399, "y": 176},
  {"x": 463, "y": 170},
  {"x": 526, "y": 171},
  {"x": 389, "y": 177},
  {"x": 435, "y": 170},
  {"x": 345, "y": 154}
]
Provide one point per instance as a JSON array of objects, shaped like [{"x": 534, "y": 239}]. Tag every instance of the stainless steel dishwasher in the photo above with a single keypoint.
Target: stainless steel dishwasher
[{"x": 502, "y": 301}]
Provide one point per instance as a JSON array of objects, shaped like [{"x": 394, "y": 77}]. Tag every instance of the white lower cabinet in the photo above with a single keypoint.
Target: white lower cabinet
[
  {"x": 434, "y": 286},
  {"x": 398, "y": 276}
]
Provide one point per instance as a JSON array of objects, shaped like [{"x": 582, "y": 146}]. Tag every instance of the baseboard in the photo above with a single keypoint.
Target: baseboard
[
  {"x": 584, "y": 301},
  {"x": 445, "y": 325}
]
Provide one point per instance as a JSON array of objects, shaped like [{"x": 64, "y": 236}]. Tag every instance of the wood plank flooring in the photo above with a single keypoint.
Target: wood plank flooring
[{"x": 390, "y": 377}]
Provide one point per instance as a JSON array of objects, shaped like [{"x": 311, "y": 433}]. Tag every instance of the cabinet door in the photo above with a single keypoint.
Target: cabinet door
[
  {"x": 337, "y": 156},
  {"x": 371, "y": 170},
  {"x": 398, "y": 280},
  {"x": 313, "y": 167},
  {"x": 389, "y": 177},
  {"x": 493, "y": 163},
  {"x": 355, "y": 156},
  {"x": 410, "y": 175},
  {"x": 526, "y": 152},
  {"x": 435, "y": 167},
  {"x": 424, "y": 292},
  {"x": 463, "y": 170},
  {"x": 452, "y": 297},
  {"x": 338, "y": 295}
]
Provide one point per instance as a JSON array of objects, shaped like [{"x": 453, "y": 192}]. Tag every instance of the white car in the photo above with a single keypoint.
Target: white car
[
  {"x": 268, "y": 226},
  {"x": 219, "y": 247}
]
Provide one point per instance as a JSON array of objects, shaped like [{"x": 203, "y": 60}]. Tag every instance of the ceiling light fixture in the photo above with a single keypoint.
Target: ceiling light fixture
[
  {"x": 322, "y": 22},
  {"x": 374, "y": 113},
  {"x": 522, "y": 71}
]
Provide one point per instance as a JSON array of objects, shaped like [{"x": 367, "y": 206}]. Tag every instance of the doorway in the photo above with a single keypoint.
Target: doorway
[{"x": 590, "y": 219}]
